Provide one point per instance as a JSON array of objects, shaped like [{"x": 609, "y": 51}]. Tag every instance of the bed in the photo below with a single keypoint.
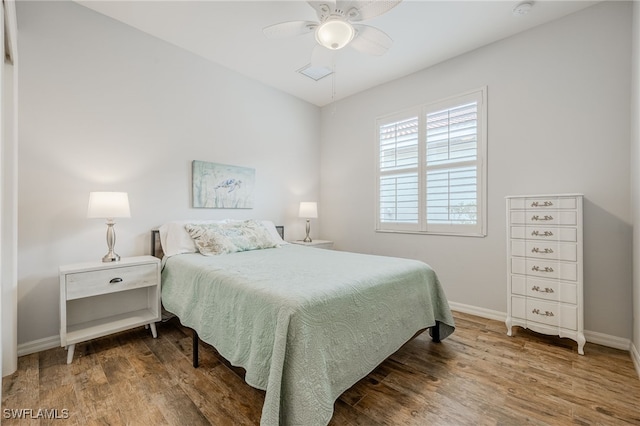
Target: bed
[{"x": 306, "y": 324}]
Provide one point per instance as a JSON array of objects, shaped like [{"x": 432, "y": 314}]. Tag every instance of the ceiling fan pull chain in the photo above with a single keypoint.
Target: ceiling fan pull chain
[{"x": 333, "y": 85}]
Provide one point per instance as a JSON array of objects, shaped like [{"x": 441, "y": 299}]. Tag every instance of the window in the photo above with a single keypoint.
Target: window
[{"x": 431, "y": 168}]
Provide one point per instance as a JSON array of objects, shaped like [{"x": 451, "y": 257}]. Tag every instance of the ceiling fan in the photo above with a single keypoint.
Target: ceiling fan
[{"x": 338, "y": 26}]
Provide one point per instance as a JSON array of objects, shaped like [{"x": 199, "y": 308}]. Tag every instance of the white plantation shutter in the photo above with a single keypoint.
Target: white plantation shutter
[
  {"x": 399, "y": 158},
  {"x": 431, "y": 174},
  {"x": 398, "y": 183}
]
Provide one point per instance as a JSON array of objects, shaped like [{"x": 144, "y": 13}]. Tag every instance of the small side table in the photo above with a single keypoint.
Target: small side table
[
  {"x": 97, "y": 299},
  {"x": 323, "y": 244}
]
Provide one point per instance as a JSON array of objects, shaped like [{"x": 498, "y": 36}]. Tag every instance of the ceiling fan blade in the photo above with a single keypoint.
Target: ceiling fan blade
[
  {"x": 288, "y": 29},
  {"x": 322, "y": 57},
  {"x": 323, "y": 8},
  {"x": 371, "y": 40},
  {"x": 366, "y": 9}
]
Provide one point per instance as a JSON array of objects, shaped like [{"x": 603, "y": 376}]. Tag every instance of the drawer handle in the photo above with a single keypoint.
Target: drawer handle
[
  {"x": 545, "y": 217},
  {"x": 545, "y": 269},
  {"x": 546, "y": 289},
  {"x": 115, "y": 280},
  {"x": 542, "y": 234},
  {"x": 544, "y": 314},
  {"x": 544, "y": 251},
  {"x": 545, "y": 204}
]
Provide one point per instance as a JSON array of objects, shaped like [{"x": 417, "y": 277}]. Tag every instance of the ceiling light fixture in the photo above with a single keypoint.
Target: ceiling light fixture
[{"x": 335, "y": 33}]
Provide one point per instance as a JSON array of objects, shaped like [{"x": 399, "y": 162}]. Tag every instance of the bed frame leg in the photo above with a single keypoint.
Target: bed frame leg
[
  {"x": 435, "y": 332},
  {"x": 195, "y": 349}
]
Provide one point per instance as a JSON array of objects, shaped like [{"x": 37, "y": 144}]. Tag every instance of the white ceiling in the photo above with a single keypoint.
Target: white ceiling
[{"x": 425, "y": 32}]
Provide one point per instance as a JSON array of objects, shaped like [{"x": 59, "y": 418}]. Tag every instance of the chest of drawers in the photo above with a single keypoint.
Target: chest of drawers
[{"x": 544, "y": 260}]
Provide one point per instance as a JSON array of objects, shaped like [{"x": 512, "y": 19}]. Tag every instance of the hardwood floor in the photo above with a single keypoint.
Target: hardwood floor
[{"x": 478, "y": 376}]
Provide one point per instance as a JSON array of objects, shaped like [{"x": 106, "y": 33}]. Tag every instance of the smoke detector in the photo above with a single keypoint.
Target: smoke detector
[{"x": 522, "y": 9}]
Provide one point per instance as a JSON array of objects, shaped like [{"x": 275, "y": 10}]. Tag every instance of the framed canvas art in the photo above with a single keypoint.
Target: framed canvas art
[{"x": 222, "y": 186}]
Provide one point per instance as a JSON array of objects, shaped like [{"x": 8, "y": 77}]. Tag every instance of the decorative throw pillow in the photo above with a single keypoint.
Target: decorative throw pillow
[
  {"x": 249, "y": 235},
  {"x": 220, "y": 238},
  {"x": 209, "y": 241}
]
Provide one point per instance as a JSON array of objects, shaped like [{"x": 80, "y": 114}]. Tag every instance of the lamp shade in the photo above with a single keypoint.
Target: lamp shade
[
  {"x": 308, "y": 209},
  {"x": 108, "y": 205}
]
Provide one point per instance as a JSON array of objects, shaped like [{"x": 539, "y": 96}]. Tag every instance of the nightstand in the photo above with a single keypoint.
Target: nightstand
[
  {"x": 323, "y": 244},
  {"x": 97, "y": 299}
]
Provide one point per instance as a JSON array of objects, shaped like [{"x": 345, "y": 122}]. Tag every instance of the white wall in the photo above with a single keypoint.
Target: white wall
[
  {"x": 558, "y": 108},
  {"x": 106, "y": 107},
  {"x": 9, "y": 190},
  {"x": 635, "y": 180}
]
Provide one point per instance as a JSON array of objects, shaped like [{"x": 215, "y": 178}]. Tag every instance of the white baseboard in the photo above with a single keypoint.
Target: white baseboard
[
  {"x": 591, "y": 336},
  {"x": 479, "y": 312},
  {"x": 607, "y": 340},
  {"x": 635, "y": 356},
  {"x": 38, "y": 345}
]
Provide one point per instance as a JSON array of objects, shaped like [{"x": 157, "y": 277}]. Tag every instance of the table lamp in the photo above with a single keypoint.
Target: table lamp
[
  {"x": 109, "y": 205},
  {"x": 308, "y": 210}
]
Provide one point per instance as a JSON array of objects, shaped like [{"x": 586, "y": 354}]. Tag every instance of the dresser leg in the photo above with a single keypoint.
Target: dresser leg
[
  {"x": 508, "y": 323},
  {"x": 154, "y": 332},
  {"x": 581, "y": 342},
  {"x": 70, "y": 350}
]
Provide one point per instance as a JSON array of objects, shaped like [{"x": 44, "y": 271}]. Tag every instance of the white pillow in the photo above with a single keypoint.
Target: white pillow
[{"x": 273, "y": 232}]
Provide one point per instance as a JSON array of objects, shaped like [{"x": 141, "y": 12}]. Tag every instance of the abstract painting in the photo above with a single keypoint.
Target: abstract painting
[{"x": 221, "y": 186}]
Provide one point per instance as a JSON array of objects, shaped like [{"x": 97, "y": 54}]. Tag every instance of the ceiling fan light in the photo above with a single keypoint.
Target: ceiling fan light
[{"x": 335, "y": 34}]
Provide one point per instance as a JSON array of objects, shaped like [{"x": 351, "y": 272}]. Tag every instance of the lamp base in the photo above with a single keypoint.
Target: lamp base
[
  {"x": 111, "y": 257},
  {"x": 307, "y": 239}
]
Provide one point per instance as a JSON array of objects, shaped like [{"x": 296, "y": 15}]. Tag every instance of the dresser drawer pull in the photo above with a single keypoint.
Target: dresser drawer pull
[
  {"x": 546, "y": 289},
  {"x": 542, "y": 234},
  {"x": 545, "y": 269},
  {"x": 545, "y": 217},
  {"x": 544, "y": 314},
  {"x": 545, "y": 204},
  {"x": 115, "y": 280},
  {"x": 545, "y": 251}
]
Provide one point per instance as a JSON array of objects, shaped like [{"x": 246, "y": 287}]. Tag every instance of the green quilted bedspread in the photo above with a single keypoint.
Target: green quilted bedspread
[{"x": 306, "y": 324}]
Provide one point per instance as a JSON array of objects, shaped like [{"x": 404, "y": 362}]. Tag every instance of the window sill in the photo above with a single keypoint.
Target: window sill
[{"x": 448, "y": 234}]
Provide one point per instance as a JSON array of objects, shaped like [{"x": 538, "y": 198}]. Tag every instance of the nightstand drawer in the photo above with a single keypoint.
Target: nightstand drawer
[{"x": 93, "y": 283}]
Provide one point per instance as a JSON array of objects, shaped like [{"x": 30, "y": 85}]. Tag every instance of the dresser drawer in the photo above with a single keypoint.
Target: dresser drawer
[
  {"x": 543, "y": 203},
  {"x": 544, "y": 312},
  {"x": 558, "y": 291},
  {"x": 544, "y": 250},
  {"x": 544, "y": 269},
  {"x": 102, "y": 281},
  {"x": 544, "y": 233},
  {"x": 544, "y": 217}
]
